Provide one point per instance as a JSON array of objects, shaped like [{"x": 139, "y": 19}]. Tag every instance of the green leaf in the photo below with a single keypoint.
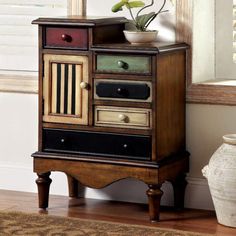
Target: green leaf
[
  {"x": 143, "y": 20},
  {"x": 135, "y": 4},
  {"x": 119, "y": 6}
]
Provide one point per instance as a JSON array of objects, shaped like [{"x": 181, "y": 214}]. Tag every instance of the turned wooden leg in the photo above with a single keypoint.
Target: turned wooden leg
[
  {"x": 73, "y": 186},
  {"x": 43, "y": 181},
  {"x": 179, "y": 185},
  {"x": 154, "y": 194}
]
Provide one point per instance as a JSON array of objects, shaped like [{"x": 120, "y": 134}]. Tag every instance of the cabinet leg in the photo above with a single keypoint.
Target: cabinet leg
[
  {"x": 73, "y": 186},
  {"x": 43, "y": 182},
  {"x": 179, "y": 186},
  {"x": 154, "y": 194}
]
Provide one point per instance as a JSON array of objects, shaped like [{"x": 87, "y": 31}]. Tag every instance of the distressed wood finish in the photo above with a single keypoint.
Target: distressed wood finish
[
  {"x": 43, "y": 181},
  {"x": 122, "y": 90},
  {"x": 65, "y": 100},
  {"x": 99, "y": 175},
  {"x": 73, "y": 186},
  {"x": 135, "y": 147},
  {"x": 73, "y": 38},
  {"x": 123, "y": 117},
  {"x": 123, "y": 64},
  {"x": 132, "y": 127},
  {"x": 170, "y": 104}
]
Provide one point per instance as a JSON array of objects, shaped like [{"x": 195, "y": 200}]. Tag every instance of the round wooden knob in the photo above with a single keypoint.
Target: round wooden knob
[
  {"x": 84, "y": 85},
  {"x": 123, "y": 117},
  {"x": 66, "y": 38}
]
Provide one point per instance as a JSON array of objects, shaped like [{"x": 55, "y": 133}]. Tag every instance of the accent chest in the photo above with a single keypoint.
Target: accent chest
[{"x": 109, "y": 110}]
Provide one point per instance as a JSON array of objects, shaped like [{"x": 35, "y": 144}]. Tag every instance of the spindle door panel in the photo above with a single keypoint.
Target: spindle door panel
[{"x": 65, "y": 89}]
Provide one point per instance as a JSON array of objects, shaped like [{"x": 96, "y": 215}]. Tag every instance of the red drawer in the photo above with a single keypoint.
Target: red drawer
[{"x": 66, "y": 38}]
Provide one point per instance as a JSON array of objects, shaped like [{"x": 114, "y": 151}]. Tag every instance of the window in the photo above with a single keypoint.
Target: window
[
  {"x": 18, "y": 39},
  {"x": 207, "y": 27},
  {"x": 225, "y": 68}
]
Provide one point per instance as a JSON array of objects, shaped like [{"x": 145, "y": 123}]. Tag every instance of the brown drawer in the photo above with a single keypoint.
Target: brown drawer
[
  {"x": 73, "y": 38},
  {"x": 136, "y": 118}
]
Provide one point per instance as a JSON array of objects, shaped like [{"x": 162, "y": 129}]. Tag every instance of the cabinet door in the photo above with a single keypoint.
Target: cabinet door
[{"x": 65, "y": 89}]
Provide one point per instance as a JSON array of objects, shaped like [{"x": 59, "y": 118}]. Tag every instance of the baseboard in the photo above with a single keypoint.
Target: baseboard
[{"x": 22, "y": 178}]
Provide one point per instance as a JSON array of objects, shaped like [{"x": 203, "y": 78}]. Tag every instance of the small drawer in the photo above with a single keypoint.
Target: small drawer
[
  {"x": 123, "y": 90},
  {"x": 73, "y": 38},
  {"x": 97, "y": 144},
  {"x": 134, "y": 118},
  {"x": 123, "y": 64}
]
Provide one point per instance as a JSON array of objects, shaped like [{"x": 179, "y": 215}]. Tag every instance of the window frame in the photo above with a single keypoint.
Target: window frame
[
  {"x": 29, "y": 84},
  {"x": 198, "y": 92}
]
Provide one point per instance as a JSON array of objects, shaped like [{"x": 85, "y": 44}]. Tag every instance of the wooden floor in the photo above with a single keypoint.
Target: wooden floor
[{"x": 190, "y": 220}]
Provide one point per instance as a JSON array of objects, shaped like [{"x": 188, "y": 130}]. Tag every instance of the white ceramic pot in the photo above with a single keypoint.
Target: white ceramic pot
[
  {"x": 135, "y": 37},
  {"x": 221, "y": 176}
]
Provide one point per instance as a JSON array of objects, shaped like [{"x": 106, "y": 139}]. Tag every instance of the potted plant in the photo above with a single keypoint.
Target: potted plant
[{"x": 140, "y": 22}]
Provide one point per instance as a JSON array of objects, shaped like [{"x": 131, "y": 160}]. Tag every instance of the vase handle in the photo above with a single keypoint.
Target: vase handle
[{"x": 205, "y": 171}]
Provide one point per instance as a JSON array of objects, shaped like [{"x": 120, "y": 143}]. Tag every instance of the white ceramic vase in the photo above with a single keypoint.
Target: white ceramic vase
[
  {"x": 136, "y": 37},
  {"x": 221, "y": 176}
]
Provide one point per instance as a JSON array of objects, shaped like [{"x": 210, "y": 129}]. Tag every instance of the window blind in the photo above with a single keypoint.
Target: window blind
[{"x": 18, "y": 37}]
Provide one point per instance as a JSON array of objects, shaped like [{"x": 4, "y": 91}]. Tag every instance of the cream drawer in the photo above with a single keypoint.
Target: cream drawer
[{"x": 136, "y": 118}]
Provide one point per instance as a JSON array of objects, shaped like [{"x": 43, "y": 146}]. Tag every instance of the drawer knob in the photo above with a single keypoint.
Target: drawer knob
[
  {"x": 84, "y": 85},
  {"x": 122, "y": 92},
  {"x": 123, "y": 117},
  {"x": 62, "y": 140},
  {"x": 122, "y": 64},
  {"x": 66, "y": 38}
]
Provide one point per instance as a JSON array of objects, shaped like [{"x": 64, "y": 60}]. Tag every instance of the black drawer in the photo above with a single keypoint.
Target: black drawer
[
  {"x": 97, "y": 144},
  {"x": 139, "y": 91}
]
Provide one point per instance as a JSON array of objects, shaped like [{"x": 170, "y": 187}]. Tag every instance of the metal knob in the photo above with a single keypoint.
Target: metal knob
[
  {"x": 120, "y": 91},
  {"x": 62, "y": 140},
  {"x": 66, "y": 37},
  {"x": 122, "y": 64},
  {"x": 123, "y": 117},
  {"x": 84, "y": 85},
  {"x": 125, "y": 146}
]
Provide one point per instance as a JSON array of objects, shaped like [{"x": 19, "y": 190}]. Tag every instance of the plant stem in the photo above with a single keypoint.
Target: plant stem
[
  {"x": 131, "y": 13},
  {"x": 164, "y": 3},
  {"x": 144, "y": 8},
  {"x": 160, "y": 11}
]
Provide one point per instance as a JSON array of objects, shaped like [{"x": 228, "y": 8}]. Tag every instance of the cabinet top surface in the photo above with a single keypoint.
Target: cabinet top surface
[
  {"x": 152, "y": 48},
  {"x": 89, "y": 21}
]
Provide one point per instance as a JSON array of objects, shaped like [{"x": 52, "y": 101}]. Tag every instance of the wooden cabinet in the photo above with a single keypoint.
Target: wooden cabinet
[{"x": 109, "y": 110}]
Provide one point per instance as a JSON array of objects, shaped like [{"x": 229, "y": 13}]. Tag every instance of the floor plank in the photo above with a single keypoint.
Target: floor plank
[{"x": 190, "y": 220}]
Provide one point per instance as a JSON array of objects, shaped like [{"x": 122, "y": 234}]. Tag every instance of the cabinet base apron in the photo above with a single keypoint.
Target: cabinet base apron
[{"x": 98, "y": 174}]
